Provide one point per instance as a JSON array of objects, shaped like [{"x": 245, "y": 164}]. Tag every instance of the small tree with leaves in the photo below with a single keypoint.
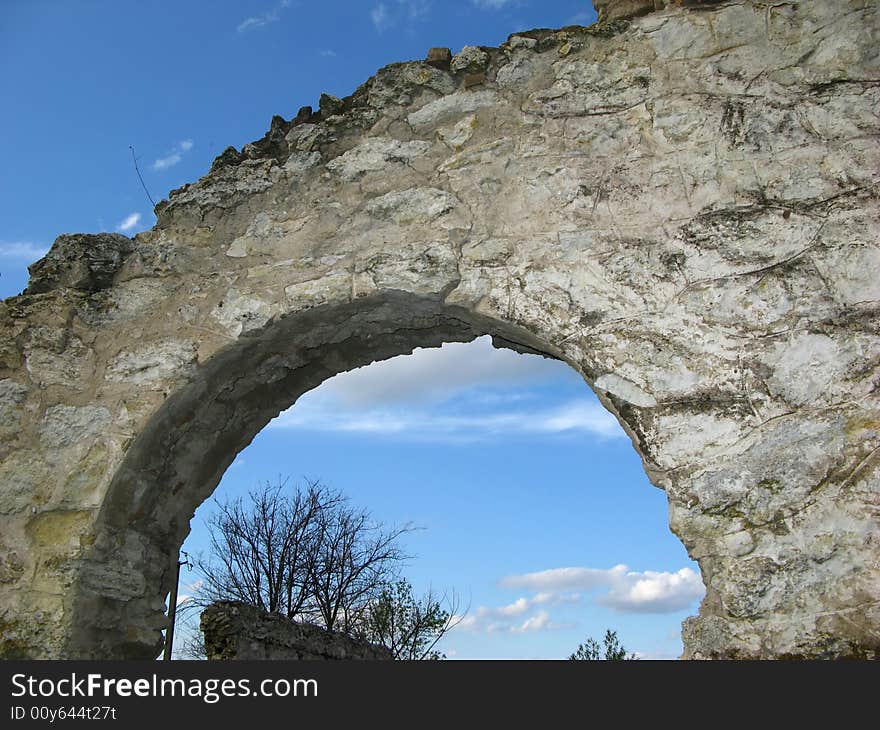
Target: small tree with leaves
[
  {"x": 410, "y": 627},
  {"x": 611, "y": 650}
]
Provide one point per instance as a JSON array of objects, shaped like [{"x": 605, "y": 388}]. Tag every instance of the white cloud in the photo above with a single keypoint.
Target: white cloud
[
  {"x": 406, "y": 12},
  {"x": 492, "y": 4},
  {"x": 447, "y": 394},
  {"x": 23, "y": 250},
  {"x": 430, "y": 375},
  {"x": 580, "y": 416},
  {"x": 263, "y": 19},
  {"x": 555, "y": 598},
  {"x": 188, "y": 591},
  {"x": 560, "y": 579},
  {"x": 163, "y": 163},
  {"x": 327, "y": 53},
  {"x": 575, "y": 417},
  {"x": 483, "y": 622},
  {"x": 379, "y": 16},
  {"x": 506, "y": 619},
  {"x": 414, "y": 9},
  {"x": 627, "y": 591},
  {"x": 193, "y": 586},
  {"x": 174, "y": 156},
  {"x": 517, "y": 608},
  {"x": 539, "y": 622},
  {"x": 651, "y": 592},
  {"x": 129, "y": 222},
  {"x": 256, "y": 21}
]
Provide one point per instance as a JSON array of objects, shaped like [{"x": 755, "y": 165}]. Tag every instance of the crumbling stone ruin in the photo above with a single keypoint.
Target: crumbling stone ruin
[
  {"x": 680, "y": 202},
  {"x": 235, "y": 630}
]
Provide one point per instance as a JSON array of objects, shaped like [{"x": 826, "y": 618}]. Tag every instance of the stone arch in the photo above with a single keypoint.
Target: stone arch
[
  {"x": 180, "y": 455},
  {"x": 681, "y": 204}
]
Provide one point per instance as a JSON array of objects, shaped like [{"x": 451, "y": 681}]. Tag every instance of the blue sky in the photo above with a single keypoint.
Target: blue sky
[
  {"x": 534, "y": 506},
  {"x": 530, "y": 495}
]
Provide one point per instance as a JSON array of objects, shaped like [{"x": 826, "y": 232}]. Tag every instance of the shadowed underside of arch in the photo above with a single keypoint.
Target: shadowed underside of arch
[{"x": 681, "y": 204}]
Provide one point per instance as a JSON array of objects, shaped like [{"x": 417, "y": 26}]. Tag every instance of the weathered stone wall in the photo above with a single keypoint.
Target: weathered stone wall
[
  {"x": 234, "y": 630},
  {"x": 682, "y": 204}
]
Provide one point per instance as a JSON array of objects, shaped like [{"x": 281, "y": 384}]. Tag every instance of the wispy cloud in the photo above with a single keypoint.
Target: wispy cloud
[
  {"x": 510, "y": 619},
  {"x": 405, "y": 12},
  {"x": 163, "y": 163},
  {"x": 560, "y": 579},
  {"x": 188, "y": 591},
  {"x": 492, "y": 4},
  {"x": 574, "y": 417},
  {"x": 627, "y": 591},
  {"x": 458, "y": 392},
  {"x": 22, "y": 250},
  {"x": 174, "y": 156},
  {"x": 129, "y": 222},
  {"x": 327, "y": 53},
  {"x": 539, "y": 622},
  {"x": 431, "y": 375},
  {"x": 263, "y": 19},
  {"x": 379, "y": 17},
  {"x": 414, "y": 9}
]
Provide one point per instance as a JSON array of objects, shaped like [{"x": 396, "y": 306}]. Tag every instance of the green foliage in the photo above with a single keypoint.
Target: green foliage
[
  {"x": 590, "y": 650},
  {"x": 409, "y": 627}
]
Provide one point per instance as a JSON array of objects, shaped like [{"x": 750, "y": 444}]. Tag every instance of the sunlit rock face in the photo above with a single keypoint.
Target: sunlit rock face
[{"x": 681, "y": 202}]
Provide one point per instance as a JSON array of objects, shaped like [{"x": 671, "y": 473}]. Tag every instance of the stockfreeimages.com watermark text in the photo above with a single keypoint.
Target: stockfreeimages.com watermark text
[{"x": 96, "y": 685}]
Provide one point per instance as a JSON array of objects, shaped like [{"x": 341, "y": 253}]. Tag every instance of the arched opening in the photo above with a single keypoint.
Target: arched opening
[
  {"x": 533, "y": 512},
  {"x": 178, "y": 460}
]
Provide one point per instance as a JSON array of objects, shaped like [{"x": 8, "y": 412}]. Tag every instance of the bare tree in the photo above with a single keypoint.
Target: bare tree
[
  {"x": 349, "y": 563},
  {"x": 303, "y": 553},
  {"x": 260, "y": 546}
]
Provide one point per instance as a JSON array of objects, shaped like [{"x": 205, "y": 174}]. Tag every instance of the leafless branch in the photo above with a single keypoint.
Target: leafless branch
[{"x": 137, "y": 170}]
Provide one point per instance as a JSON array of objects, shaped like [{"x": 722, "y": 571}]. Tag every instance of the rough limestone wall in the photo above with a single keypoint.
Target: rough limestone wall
[
  {"x": 234, "y": 630},
  {"x": 680, "y": 202}
]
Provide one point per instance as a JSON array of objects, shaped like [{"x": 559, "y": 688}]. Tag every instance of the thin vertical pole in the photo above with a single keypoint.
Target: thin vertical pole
[{"x": 172, "y": 610}]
